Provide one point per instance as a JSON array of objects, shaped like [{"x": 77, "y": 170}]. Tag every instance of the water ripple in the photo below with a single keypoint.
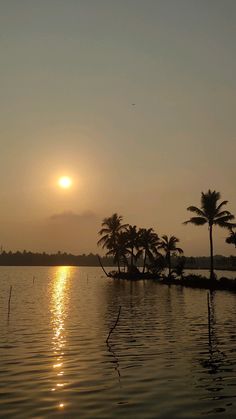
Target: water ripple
[{"x": 163, "y": 360}]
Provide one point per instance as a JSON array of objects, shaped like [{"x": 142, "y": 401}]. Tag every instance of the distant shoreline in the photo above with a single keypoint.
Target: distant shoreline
[
  {"x": 27, "y": 258},
  {"x": 105, "y": 266}
]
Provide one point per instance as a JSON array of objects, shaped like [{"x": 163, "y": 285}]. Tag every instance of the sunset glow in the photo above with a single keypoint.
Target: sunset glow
[
  {"x": 118, "y": 209},
  {"x": 65, "y": 182},
  {"x": 59, "y": 305}
]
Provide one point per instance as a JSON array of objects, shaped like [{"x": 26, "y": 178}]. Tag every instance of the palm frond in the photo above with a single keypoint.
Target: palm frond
[
  {"x": 173, "y": 240},
  {"x": 224, "y": 219},
  {"x": 197, "y": 210},
  {"x": 231, "y": 239},
  {"x": 226, "y": 224},
  {"x": 198, "y": 221},
  {"x": 110, "y": 252},
  {"x": 210, "y": 196},
  {"x": 179, "y": 250},
  {"x": 168, "y": 245},
  {"x": 102, "y": 240},
  {"x": 222, "y": 214},
  {"x": 104, "y": 231},
  {"x": 222, "y": 204},
  {"x": 165, "y": 238}
]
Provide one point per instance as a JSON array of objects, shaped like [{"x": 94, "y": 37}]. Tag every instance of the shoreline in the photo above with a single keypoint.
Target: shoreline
[
  {"x": 106, "y": 267},
  {"x": 190, "y": 281}
]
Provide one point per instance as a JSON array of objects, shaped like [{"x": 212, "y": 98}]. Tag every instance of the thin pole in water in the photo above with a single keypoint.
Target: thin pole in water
[
  {"x": 9, "y": 301},
  {"x": 209, "y": 317}
]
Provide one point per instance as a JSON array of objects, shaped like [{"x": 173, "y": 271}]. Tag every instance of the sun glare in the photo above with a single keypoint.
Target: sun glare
[{"x": 65, "y": 182}]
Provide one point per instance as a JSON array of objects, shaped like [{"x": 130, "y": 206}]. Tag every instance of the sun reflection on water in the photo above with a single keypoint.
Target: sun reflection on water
[{"x": 59, "y": 308}]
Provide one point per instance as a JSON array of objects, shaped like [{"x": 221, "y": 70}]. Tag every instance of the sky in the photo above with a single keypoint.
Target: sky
[{"x": 70, "y": 74}]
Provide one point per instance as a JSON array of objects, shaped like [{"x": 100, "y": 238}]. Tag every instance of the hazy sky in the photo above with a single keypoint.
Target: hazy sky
[{"x": 70, "y": 72}]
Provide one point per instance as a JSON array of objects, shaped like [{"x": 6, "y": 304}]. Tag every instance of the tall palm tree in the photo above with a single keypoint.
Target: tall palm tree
[
  {"x": 120, "y": 250},
  {"x": 168, "y": 244},
  {"x": 231, "y": 239},
  {"x": 211, "y": 213},
  {"x": 148, "y": 241},
  {"x": 132, "y": 243},
  {"x": 111, "y": 228}
]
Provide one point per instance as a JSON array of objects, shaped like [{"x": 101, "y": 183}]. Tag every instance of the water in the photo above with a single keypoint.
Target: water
[{"x": 161, "y": 361}]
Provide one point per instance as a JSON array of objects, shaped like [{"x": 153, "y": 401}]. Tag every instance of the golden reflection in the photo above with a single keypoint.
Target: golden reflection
[{"x": 59, "y": 307}]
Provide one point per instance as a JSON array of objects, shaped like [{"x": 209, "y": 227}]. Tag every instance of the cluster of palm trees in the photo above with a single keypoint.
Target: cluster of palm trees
[{"x": 127, "y": 244}]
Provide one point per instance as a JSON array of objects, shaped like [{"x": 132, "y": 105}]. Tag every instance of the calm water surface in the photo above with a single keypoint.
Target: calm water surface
[{"x": 163, "y": 361}]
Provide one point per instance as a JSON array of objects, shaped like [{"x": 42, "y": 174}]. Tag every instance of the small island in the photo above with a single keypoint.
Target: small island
[{"x": 139, "y": 253}]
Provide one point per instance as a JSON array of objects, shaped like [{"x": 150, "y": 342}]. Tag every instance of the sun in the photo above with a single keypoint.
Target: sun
[{"x": 65, "y": 182}]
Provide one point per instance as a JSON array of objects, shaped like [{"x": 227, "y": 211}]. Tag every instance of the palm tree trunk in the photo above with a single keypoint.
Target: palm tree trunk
[
  {"x": 144, "y": 261},
  {"x": 118, "y": 264},
  {"x": 126, "y": 264},
  {"x": 132, "y": 258},
  {"x": 100, "y": 262},
  {"x": 212, "y": 276},
  {"x": 169, "y": 263}
]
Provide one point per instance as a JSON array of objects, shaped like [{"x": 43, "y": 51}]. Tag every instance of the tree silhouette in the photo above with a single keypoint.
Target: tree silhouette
[
  {"x": 231, "y": 239},
  {"x": 211, "y": 213},
  {"x": 120, "y": 250},
  {"x": 111, "y": 228},
  {"x": 148, "y": 241},
  {"x": 168, "y": 244},
  {"x": 132, "y": 244}
]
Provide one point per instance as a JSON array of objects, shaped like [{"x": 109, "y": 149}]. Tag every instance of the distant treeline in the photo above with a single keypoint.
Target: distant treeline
[
  {"x": 44, "y": 259},
  {"x": 55, "y": 259},
  {"x": 203, "y": 262}
]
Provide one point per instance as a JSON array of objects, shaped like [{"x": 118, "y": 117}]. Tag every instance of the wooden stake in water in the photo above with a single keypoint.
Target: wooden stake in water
[
  {"x": 209, "y": 317},
  {"x": 9, "y": 301},
  {"x": 109, "y": 334}
]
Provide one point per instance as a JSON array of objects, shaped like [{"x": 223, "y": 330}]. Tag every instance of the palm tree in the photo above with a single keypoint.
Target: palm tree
[
  {"x": 148, "y": 241},
  {"x": 211, "y": 213},
  {"x": 231, "y": 239},
  {"x": 168, "y": 244},
  {"x": 111, "y": 228},
  {"x": 132, "y": 243},
  {"x": 120, "y": 251}
]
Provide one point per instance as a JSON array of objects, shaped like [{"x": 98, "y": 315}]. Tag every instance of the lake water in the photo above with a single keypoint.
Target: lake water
[{"x": 162, "y": 360}]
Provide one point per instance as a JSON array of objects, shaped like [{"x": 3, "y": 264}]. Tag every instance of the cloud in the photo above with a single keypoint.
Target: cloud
[
  {"x": 72, "y": 231},
  {"x": 70, "y": 216}
]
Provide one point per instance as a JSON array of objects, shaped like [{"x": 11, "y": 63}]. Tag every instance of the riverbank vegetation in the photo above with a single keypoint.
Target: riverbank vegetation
[{"x": 127, "y": 244}]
